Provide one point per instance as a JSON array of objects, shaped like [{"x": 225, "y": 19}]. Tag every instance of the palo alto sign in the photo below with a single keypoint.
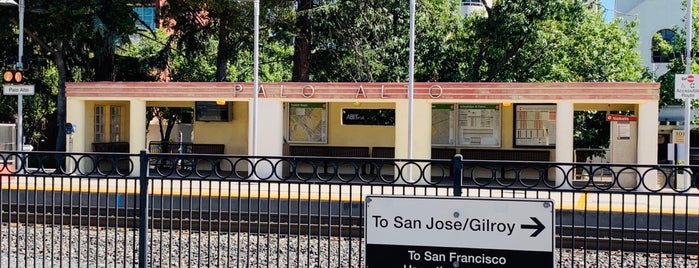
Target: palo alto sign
[{"x": 18, "y": 89}]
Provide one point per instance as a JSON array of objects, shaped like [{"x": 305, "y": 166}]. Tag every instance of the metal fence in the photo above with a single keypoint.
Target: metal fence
[{"x": 164, "y": 210}]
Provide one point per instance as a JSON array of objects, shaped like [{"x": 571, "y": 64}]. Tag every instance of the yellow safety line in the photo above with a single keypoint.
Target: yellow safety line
[
  {"x": 580, "y": 205},
  {"x": 103, "y": 190}
]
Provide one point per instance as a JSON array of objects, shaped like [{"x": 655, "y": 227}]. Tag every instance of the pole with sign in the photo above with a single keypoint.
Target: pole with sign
[
  {"x": 422, "y": 231},
  {"x": 686, "y": 88}
]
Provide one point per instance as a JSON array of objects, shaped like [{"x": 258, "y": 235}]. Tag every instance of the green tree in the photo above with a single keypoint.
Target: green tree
[
  {"x": 225, "y": 28},
  {"x": 74, "y": 41}
]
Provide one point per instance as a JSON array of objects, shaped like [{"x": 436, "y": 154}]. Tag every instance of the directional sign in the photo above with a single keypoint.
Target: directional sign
[
  {"x": 686, "y": 86},
  {"x": 458, "y": 232},
  {"x": 18, "y": 89}
]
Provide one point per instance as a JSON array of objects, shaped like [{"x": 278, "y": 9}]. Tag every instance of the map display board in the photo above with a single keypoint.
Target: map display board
[
  {"x": 443, "y": 124},
  {"x": 535, "y": 125},
  {"x": 479, "y": 125},
  {"x": 308, "y": 122}
]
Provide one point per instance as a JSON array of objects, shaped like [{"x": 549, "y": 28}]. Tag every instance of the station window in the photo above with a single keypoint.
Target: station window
[{"x": 108, "y": 131}]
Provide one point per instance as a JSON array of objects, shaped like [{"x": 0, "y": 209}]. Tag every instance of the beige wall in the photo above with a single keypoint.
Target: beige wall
[{"x": 234, "y": 134}]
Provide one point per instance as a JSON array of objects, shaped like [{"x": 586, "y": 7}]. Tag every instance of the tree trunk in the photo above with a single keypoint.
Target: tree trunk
[
  {"x": 302, "y": 43},
  {"x": 61, "y": 100},
  {"x": 104, "y": 62},
  {"x": 224, "y": 50}
]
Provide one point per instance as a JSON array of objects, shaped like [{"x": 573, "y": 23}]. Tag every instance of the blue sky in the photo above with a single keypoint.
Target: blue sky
[{"x": 609, "y": 6}]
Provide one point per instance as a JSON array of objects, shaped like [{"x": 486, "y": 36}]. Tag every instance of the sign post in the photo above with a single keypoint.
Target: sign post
[
  {"x": 686, "y": 88},
  {"x": 407, "y": 231}
]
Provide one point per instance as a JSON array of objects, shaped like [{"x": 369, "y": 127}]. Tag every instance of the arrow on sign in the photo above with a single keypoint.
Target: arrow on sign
[{"x": 538, "y": 226}]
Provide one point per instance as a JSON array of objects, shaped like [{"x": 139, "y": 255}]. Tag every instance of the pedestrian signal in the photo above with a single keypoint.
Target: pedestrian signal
[{"x": 14, "y": 77}]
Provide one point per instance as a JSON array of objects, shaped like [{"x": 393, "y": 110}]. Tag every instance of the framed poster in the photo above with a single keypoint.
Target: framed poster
[
  {"x": 535, "y": 125},
  {"x": 308, "y": 122},
  {"x": 443, "y": 124},
  {"x": 479, "y": 125}
]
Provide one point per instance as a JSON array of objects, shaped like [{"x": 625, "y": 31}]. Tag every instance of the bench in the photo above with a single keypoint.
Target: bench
[
  {"x": 329, "y": 151},
  {"x": 180, "y": 148},
  {"x": 107, "y": 164},
  {"x": 508, "y": 155},
  {"x": 110, "y": 147},
  {"x": 185, "y": 148},
  {"x": 443, "y": 153},
  {"x": 383, "y": 152}
]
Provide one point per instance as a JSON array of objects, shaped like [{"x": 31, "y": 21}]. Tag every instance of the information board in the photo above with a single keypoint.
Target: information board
[
  {"x": 479, "y": 125},
  {"x": 443, "y": 124},
  {"x": 535, "y": 125},
  {"x": 308, "y": 122},
  {"x": 686, "y": 86},
  {"x": 458, "y": 232}
]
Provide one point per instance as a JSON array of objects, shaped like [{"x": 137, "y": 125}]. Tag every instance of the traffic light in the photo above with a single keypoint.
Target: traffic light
[{"x": 13, "y": 77}]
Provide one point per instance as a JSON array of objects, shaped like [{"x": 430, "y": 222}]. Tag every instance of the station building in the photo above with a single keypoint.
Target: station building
[{"x": 493, "y": 121}]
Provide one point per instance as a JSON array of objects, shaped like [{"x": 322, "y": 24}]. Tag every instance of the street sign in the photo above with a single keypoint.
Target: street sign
[
  {"x": 407, "y": 231},
  {"x": 686, "y": 86},
  {"x": 18, "y": 89}
]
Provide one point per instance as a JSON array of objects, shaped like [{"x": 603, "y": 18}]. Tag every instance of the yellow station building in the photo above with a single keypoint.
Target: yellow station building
[{"x": 495, "y": 119}]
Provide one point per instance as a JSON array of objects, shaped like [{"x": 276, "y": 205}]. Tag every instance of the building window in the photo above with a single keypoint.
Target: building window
[
  {"x": 147, "y": 15},
  {"x": 111, "y": 129},
  {"x": 471, "y": 3},
  {"x": 659, "y": 56},
  {"x": 114, "y": 123},
  {"x": 99, "y": 123}
]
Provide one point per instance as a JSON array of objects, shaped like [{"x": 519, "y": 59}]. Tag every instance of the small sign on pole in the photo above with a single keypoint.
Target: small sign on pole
[
  {"x": 413, "y": 231},
  {"x": 686, "y": 86},
  {"x": 18, "y": 89},
  {"x": 678, "y": 136}
]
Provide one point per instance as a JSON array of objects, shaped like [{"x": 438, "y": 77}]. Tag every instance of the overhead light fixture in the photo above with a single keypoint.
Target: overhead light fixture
[{"x": 220, "y": 102}]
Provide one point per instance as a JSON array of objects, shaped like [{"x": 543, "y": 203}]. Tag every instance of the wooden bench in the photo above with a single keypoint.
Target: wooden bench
[
  {"x": 180, "y": 148},
  {"x": 185, "y": 147},
  {"x": 107, "y": 164},
  {"x": 383, "y": 152},
  {"x": 504, "y": 154},
  {"x": 329, "y": 151},
  {"x": 110, "y": 147},
  {"x": 443, "y": 153},
  {"x": 509, "y": 155}
]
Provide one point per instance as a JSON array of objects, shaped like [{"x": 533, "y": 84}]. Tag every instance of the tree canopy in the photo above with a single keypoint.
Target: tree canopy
[{"x": 311, "y": 40}]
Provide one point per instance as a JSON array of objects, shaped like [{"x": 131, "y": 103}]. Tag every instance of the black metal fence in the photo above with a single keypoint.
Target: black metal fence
[{"x": 162, "y": 210}]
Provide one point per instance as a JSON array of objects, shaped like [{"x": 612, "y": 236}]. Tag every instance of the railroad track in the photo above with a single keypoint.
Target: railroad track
[{"x": 593, "y": 238}]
